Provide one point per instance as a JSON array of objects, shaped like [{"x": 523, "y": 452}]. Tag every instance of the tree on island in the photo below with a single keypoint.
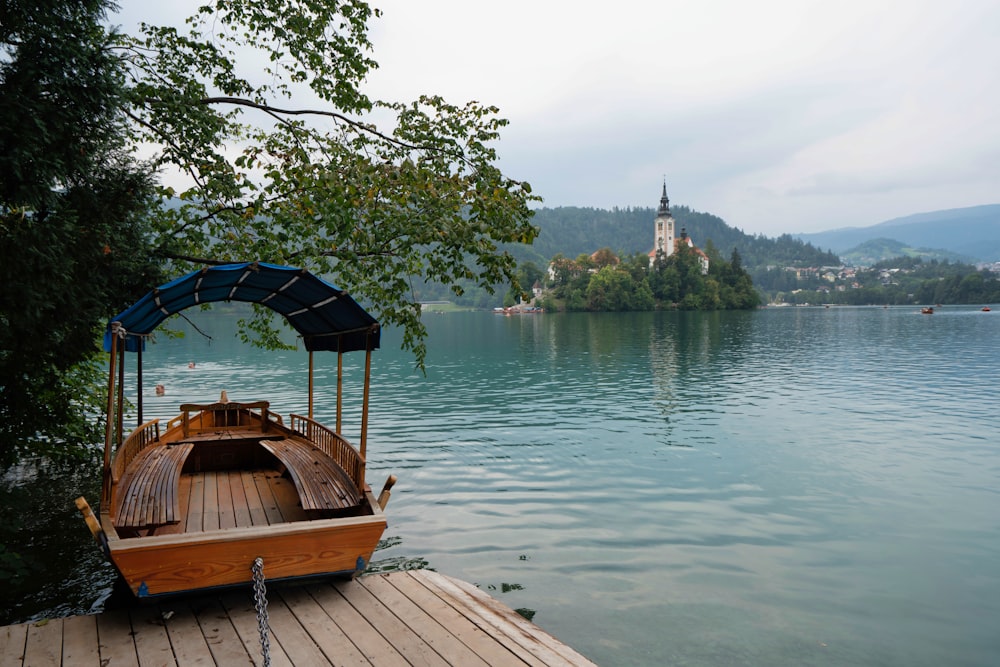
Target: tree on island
[
  {"x": 374, "y": 207},
  {"x": 674, "y": 282}
]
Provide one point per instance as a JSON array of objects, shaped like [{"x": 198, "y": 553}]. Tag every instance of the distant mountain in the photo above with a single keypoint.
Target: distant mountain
[
  {"x": 876, "y": 250},
  {"x": 972, "y": 233}
]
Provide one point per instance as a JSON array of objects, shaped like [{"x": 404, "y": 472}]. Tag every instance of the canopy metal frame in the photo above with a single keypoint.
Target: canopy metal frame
[{"x": 326, "y": 318}]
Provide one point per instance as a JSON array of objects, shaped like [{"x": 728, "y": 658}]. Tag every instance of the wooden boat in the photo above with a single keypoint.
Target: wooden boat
[
  {"x": 927, "y": 311},
  {"x": 191, "y": 503}
]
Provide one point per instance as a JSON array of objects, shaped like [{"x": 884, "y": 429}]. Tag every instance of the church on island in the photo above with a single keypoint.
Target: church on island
[{"x": 665, "y": 241}]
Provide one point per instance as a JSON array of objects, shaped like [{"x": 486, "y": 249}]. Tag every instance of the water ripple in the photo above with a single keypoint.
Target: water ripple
[{"x": 671, "y": 481}]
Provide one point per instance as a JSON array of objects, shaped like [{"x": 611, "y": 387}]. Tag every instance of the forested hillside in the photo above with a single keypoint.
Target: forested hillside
[
  {"x": 784, "y": 268},
  {"x": 880, "y": 249},
  {"x": 573, "y": 231}
]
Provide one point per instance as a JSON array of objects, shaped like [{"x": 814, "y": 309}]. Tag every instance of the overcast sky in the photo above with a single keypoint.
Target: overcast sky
[{"x": 776, "y": 115}]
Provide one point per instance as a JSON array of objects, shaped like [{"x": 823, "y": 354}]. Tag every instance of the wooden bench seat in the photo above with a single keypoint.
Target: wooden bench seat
[
  {"x": 223, "y": 416},
  {"x": 146, "y": 494},
  {"x": 321, "y": 483}
]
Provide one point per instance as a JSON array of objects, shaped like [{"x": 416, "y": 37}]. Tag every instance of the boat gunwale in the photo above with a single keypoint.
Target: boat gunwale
[{"x": 223, "y": 535}]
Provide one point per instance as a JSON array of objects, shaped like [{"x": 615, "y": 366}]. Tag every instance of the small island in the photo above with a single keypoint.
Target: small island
[{"x": 675, "y": 275}]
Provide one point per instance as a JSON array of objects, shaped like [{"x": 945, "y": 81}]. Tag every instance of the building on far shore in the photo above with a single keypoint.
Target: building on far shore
[{"x": 665, "y": 240}]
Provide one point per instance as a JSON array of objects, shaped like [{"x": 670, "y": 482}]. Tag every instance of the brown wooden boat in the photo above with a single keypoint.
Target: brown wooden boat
[{"x": 192, "y": 502}]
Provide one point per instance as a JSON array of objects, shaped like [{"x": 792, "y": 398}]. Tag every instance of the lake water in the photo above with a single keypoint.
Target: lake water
[{"x": 797, "y": 486}]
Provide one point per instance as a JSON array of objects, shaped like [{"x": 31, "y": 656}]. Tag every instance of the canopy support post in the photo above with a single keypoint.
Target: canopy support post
[
  {"x": 340, "y": 386},
  {"x": 120, "y": 417},
  {"x": 310, "y": 384},
  {"x": 110, "y": 423},
  {"x": 138, "y": 381},
  {"x": 364, "y": 408}
]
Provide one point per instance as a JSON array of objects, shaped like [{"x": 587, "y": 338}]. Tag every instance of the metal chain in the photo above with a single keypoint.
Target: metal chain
[{"x": 260, "y": 604}]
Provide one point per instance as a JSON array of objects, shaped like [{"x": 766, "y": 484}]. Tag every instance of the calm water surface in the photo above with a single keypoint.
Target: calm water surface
[{"x": 782, "y": 487}]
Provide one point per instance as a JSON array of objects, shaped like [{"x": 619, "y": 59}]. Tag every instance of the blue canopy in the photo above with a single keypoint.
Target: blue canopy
[{"x": 326, "y": 317}]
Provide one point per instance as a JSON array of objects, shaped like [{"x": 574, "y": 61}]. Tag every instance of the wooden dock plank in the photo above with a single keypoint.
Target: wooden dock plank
[
  {"x": 421, "y": 623},
  {"x": 79, "y": 643},
  {"x": 335, "y": 644},
  {"x": 369, "y": 641},
  {"x": 186, "y": 638},
  {"x": 220, "y": 635},
  {"x": 152, "y": 645},
  {"x": 12, "y": 639},
  {"x": 468, "y": 631},
  {"x": 114, "y": 634},
  {"x": 402, "y": 618},
  {"x": 503, "y": 621},
  {"x": 44, "y": 643},
  {"x": 294, "y": 639},
  {"x": 242, "y": 613},
  {"x": 390, "y": 627}
]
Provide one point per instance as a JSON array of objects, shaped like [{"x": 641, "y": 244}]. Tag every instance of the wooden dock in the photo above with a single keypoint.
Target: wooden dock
[{"x": 417, "y": 617}]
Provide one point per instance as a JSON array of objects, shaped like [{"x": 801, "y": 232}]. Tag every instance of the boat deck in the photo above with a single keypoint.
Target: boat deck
[
  {"x": 234, "y": 499},
  {"x": 403, "y": 618}
]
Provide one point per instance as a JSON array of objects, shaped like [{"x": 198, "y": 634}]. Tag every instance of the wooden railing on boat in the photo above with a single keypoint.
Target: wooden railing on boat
[
  {"x": 334, "y": 446},
  {"x": 224, "y": 416},
  {"x": 138, "y": 440},
  {"x": 272, "y": 417}
]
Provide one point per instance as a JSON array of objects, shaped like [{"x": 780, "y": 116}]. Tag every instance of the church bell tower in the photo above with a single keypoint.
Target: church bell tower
[{"x": 664, "y": 241}]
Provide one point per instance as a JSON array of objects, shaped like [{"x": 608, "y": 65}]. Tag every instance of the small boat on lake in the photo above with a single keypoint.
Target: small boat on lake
[
  {"x": 927, "y": 311},
  {"x": 191, "y": 503},
  {"x": 986, "y": 309}
]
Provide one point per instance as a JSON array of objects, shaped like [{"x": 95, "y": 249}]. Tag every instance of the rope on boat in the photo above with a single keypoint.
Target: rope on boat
[{"x": 260, "y": 604}]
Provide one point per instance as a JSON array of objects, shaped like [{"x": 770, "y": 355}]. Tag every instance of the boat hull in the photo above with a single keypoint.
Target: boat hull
[{"x": 169, "y": 564}]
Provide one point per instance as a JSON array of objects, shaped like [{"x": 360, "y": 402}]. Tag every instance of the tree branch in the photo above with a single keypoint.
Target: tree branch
[
  {"x": 195, "y": 260},
  {"x": 275, "y": 112}
]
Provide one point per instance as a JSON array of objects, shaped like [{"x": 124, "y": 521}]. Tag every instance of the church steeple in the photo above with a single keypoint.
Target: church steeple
[
  {"x": 664, "y": 202},
  {"x": 663, "y": 239}
]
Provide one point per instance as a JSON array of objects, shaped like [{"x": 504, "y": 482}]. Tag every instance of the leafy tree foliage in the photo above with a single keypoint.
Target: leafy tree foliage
[
  {"x": 258, "y": 108},
  {"x": 676, "y": 281},
  {"x": 614, "y": 289},
  {"x": 72, "y": 220},
  {"x": 376, "y": 209}
]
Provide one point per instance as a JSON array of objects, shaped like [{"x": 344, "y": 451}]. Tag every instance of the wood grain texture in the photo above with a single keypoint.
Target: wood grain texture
[
  {"x": 146, "y": 494},
  {"x": 322, "y": 484},
  {"x": 402, "y": 618},
  {"x": 172, "y": 563}
]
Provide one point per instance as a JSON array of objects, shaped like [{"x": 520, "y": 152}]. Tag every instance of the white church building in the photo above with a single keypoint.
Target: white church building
[{"x": 665, "y": 240}]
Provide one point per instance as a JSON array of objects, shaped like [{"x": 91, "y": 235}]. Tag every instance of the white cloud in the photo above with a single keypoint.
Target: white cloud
[{"x": 779, "y": 115}]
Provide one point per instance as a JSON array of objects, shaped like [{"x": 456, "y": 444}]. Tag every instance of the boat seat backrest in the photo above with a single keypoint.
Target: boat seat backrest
[{"x": 228, "y": 416}]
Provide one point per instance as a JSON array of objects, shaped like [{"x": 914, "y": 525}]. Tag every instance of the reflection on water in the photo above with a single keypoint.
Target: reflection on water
[{"x": 782, "y": 487}]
